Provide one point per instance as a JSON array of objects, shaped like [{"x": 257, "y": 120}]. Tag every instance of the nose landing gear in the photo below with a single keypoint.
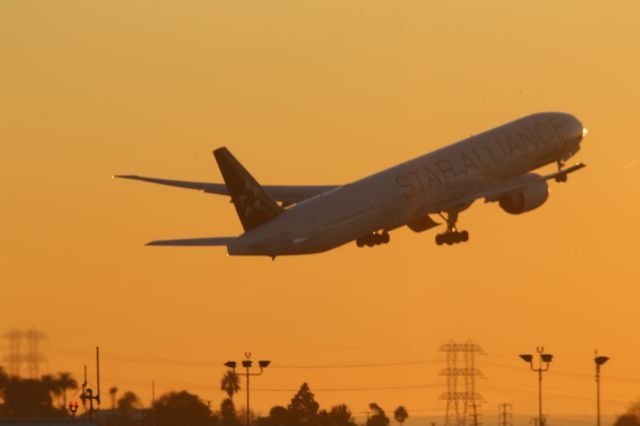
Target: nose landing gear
[
  {"x": 373, "y": 239},
  {"x": 452, "y": 235}
]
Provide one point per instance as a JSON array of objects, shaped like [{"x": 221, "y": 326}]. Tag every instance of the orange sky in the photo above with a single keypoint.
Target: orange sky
[{"x": 316, "y": 92}]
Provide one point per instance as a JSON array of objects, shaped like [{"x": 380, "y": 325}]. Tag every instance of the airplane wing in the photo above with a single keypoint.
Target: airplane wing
[
  {"x": 216, "y": 241},
  {"x": 285, "y": 194},
  {"x": 467, "y": 192}
]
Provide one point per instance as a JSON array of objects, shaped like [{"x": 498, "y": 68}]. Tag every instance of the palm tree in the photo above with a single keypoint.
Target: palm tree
[
  {"x": 52, "y": 385},
  {"x": 113, "y": 391},
  {"x": 400, "y": 414},
  {"x": 230, "y": 383},
  {"x": 65, "y": 382}
]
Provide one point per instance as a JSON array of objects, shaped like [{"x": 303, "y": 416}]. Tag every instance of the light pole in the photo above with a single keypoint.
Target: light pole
[
  {"x": 599, "y": 360},
  {"x": 246, "y": 363},
  {"x": 543, "y": 359}
]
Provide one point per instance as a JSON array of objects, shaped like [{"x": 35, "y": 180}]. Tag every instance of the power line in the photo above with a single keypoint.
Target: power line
[
  {"x": 370, "y": 365},
  {"x": 359, "y": 389},
  {"x": 564, "y": 372},
  {"x": 197, "y": 363},
  {"x": 170, "y": 361},
  {"x": 551, "y": 395}
]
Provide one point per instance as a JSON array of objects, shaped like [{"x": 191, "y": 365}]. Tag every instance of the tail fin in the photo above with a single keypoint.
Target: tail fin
[{"x": 253, "y": 204}]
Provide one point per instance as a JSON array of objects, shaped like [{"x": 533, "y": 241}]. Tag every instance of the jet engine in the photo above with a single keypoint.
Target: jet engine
[{"x": 532, "y": 197}]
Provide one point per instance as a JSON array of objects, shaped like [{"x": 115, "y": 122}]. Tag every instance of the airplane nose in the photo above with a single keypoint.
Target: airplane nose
[{"x": 580, "y": 131}]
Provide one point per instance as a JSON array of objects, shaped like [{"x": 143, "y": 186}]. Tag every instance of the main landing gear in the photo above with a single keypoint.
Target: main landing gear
[
  {"x": 373, "y": 239},
  {"x": 452, "y": 236},
  {"x": 562, "y": 177}
]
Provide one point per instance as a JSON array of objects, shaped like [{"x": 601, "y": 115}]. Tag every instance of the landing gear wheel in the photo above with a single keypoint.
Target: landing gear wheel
[
  {"x": 452, "y": 235},
  {"x": 373, "y": 239}
]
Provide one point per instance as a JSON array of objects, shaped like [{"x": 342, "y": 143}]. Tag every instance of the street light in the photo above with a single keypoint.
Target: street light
[
  {"x": 247, "y": 363},
  {"x": 73, "y": 408},
  {"x": 526, "y": 358},
  {"x": 599, "y": 360},
  {"x": 546, "y": 360}
]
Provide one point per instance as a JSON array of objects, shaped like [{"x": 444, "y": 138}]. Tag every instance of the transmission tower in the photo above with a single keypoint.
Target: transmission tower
[
  {"x": 32, "y": 357},
  {"x": 14, "y": 358},
  {"x": 462, "y": 404},
  {"x": 504, "y": 415}
]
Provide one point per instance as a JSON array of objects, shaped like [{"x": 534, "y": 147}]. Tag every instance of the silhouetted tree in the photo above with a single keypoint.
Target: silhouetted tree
[
  {"x": 634, "y": 408},
  {"x": 378, "y": 417},
  {"x": 28, "y": 398},
  {"x": 113, "y": 392},
  {"x": 279, "y": 416},
  {"x": 303, "y": 408},
  {"x": 129, "y": 402},
  {"x": 228, "y": 415},
  {"x": 339, "y": 415},
  {"x": 627, "y": 420},
  {"x": 631, "y": 417},
  {"x": 4, "y": 380},
  {"x": 65, "y": 382},
  {"x": 400, "y": 415},
  {"x": 230, "y": 383},
  {"x": 182, "y": 408}
]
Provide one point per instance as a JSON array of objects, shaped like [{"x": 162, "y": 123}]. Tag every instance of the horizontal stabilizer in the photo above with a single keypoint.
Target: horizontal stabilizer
[
  {"x": 216, "y": 241},
  {"x": 286, "y": 194},
  {"x": 214, "y": 188}
]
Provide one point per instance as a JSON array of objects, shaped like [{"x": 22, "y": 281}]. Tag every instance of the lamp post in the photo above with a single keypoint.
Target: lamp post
[
  {"x": 543, "y": 365},
  {"x": 247, "y": 363},
  {"x": 599, "y": 360}
]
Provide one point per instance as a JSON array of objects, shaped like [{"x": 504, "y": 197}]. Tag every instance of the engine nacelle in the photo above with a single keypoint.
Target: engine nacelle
[{"x": 532, "y": 197}]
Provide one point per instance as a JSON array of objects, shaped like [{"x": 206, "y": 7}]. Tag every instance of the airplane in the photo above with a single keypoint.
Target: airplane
[{"x": 495, "y": 166}]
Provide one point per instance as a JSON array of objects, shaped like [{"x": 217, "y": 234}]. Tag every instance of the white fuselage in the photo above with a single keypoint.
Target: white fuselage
[{"x": 401, "y": 194}]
